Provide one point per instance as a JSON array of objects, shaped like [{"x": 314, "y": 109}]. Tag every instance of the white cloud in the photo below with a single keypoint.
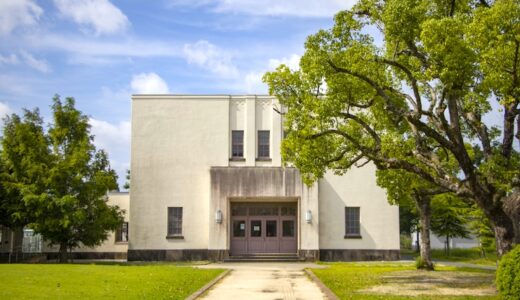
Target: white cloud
[
  {"x": 86, "y": 47},
  {"x": 299, "y": 8},
  {"x": 28, "y": 59},
  {"x": 37, "y": 64},
  {"x": 211, "y": 58},
  {"x": 4, "y": 110},
  {"x": 253, "y": 80},
  {"x": 101, "y": 16},
  {"x": 148, "y": 83},
  {"x": 115, "y": 140},
  {"x": 293, "y": 62},
  {"x": 253, "y": 83},
  {"x": 18, "y": 13},
  {"x": 9, "y": 59}
]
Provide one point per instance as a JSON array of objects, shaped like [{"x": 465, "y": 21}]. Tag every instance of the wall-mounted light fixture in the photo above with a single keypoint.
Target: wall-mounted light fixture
[
  {"x": 308, "y": 216},
  {"x": 218, "y": 216}
]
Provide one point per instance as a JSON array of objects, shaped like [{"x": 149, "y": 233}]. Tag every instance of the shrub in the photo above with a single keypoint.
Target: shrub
[
  {"x": 508, "y": 275},
  {"x": 406, "y": 242},
  {"x": 421, "y": 264}
]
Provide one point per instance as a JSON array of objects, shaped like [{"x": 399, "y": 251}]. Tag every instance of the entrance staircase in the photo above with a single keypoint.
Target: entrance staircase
[{"x": 277, "y": 257}]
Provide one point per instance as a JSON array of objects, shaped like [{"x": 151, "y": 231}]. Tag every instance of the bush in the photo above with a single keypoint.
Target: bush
[
  {"x": 508, "y": 275},
  {"x": 406, "y": 242},
  {"x": 421, "y": 264}
]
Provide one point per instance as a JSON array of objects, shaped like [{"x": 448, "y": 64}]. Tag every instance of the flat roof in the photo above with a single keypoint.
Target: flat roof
[{"x": 198, "y": 96}]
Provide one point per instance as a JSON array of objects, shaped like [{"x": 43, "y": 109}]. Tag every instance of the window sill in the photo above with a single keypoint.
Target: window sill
[
  {"x": 174, "y": 237},
  {"x": 237, "y": 159},
  {"x": 121, "y": 243},
  {"x": 353, "y": 236},
  {"x": 264, "y": 159}
]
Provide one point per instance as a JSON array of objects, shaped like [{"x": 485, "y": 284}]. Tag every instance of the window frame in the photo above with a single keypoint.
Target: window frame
[
  {"x": 174, "y": 226},
  {"x": 233, "y": 145},
  {"x": 119, "y": 233},
  {"x": 260, "y": 155},
  {"x": 349, "y": 225}
]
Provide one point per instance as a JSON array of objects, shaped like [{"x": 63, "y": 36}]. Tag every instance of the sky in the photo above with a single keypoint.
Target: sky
[{"x": 101, "y": 52}]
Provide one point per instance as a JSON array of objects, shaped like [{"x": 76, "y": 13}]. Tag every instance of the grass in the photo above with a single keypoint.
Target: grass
[
  {"x": 472, "y": 256},
  {"x": 78, "y": 281},
  {"x": 401, "y": 281}
]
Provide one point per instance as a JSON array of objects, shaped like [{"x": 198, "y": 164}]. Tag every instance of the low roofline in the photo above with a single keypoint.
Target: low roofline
[
  {"x": 118, "y": 193},
  {"x": 197, "y": 96}
]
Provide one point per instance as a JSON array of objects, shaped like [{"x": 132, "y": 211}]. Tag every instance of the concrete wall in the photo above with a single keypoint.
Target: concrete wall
[
  {"x": 174, "y": 142},
  {"x": 379, "y": 220}
]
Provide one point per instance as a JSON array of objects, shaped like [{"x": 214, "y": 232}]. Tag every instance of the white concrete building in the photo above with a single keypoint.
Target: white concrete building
[{"x": 208, "y": 183}]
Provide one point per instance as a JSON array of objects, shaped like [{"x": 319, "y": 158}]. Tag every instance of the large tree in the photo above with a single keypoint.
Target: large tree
[
  {"x": 414, "y": 101},
  {"x": 61, "y": 177}
]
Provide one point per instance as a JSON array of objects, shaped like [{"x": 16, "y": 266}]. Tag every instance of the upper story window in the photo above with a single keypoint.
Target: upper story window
[
  {"x": 237, "y": 143},
  {"x": 174, "y": 221},
  {"x": 352, "y": 222},
  {"x": 263, "y": 144}
]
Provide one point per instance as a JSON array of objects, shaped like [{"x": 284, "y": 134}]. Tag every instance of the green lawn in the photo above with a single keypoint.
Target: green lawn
[
  {"x": 402, "y": 281},
  {"x": 77, "y": 281},
  {"x": 472, "y": 256}
]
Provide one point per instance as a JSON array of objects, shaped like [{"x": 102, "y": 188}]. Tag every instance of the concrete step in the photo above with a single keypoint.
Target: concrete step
[{"x": 264, "y": 258}]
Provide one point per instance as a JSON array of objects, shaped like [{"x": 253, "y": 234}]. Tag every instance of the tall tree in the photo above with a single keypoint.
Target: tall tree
[
  {"x": 64, "y": 180},
  {"x": 25, "y": 160},
  {"x": 413, "y": 100},
  {"x": 450, "y": 218}
]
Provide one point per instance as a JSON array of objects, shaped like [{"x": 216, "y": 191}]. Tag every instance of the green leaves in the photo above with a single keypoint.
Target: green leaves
[{"x": 59, "y": 178}]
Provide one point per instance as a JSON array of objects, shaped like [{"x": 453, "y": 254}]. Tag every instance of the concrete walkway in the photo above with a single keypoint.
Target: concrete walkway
[{"x": 253, "y": 281}]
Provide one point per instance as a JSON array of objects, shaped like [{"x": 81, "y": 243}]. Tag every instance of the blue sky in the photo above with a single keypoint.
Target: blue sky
[{"x": 102, "y": 51}]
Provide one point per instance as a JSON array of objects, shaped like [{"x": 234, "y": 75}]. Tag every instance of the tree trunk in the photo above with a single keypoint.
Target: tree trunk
[
  {"x": 494, "y": 206},
  {"x": 423, "y": 205},
  {"x": 418, "y": 241},
  {"x": 448, "y": 245},
  {"x": 503, "y": 227},
  {"x": 64, "y": 255}
]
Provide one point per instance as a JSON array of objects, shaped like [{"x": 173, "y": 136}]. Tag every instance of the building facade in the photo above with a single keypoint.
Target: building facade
[{"x": 208, "y": 183}]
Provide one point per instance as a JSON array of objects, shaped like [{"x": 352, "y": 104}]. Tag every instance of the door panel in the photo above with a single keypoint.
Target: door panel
[
  {"x": 272, "y": 242},
  {"x": 255, "y": 239},
  {"x": 263, "y": 228},
  {"x": 238, "y": 236},
  {"x": 288, "y": 238}
]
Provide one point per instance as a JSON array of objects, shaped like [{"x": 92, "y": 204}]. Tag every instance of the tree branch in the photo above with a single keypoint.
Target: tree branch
[
  {"x": 365, "y": 126},
  {"x": 413, "y": 80}
]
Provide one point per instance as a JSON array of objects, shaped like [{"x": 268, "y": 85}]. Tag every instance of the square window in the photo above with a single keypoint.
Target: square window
[
  {"x": 263, "y": 144},
  {"x": 352, "y": 222},
  {"x": 174, "y": 221},
  {"x": 237, "y": 143}
]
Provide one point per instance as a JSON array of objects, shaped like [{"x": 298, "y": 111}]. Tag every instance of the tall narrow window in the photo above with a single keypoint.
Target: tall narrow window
[
  {"x": 174, "y": 221},
  {"x": 263, "y": 143},
  {"x": 352, "y": 224},
  {"x": 237, "y": 143},
  {"x": 122, "y": 233}
]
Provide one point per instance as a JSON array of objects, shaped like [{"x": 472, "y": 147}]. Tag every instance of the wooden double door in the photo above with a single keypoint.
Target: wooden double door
[{"x": 261, "y": 228}]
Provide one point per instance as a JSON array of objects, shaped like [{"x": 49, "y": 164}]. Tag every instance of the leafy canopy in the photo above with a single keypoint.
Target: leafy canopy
[{"x": 60, "y": 178}]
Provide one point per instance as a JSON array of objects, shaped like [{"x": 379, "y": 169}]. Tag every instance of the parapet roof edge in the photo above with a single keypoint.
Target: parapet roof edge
[{"x": 196, "y": 96}]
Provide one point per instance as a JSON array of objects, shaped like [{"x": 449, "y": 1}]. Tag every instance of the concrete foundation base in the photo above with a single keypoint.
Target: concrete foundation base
[{"x": 358, "y": 254}]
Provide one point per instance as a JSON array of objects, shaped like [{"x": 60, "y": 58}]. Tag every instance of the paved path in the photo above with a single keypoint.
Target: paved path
[{"x": 253, "y": 281}]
